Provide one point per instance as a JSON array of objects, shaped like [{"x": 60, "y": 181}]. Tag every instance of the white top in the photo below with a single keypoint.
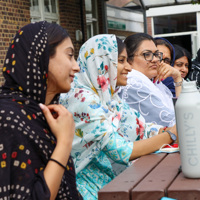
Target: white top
[{"x": 152, "y": 100}]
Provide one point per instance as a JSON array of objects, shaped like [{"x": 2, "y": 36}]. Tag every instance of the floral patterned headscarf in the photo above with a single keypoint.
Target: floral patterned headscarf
[{"x": 98, "y": 64}]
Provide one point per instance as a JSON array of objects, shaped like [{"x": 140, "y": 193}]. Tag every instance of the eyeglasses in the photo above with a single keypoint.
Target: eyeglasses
[
  {"x": 167, "y": 61},
  {"x": 148, "y": 56}
]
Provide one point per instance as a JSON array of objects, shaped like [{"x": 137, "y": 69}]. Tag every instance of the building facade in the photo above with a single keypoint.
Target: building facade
[
  {"x": 180, "y": 24},
  {"x": 124, "y": 21},
  {"x": 176, "y": 20},
  {"x": 82, "y": 19}
]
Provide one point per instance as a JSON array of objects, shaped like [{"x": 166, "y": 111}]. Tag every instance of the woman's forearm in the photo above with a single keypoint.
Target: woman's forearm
[
  {"x": 147, "y": 146},
  {"x": 178, "y": 84},
  {"x": 53, "y": 172}
]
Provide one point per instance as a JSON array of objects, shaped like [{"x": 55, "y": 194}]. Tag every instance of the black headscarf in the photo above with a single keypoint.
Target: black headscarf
[
  {"x": 169, "y": 81},
  {"x": 26, "y": 141}
]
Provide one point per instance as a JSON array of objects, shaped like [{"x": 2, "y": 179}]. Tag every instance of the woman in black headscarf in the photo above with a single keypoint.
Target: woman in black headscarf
[
  {"x": 35, "y": 132},
  {"x": 168, "y": 51}
]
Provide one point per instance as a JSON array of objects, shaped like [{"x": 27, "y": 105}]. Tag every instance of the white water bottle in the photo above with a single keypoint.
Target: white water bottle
[{"x": 187, "y": 111}]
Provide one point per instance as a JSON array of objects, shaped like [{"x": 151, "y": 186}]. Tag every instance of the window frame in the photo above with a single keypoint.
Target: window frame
[
  {"x": 41, "y": 15},
  {"x": 92, "y": 21}
]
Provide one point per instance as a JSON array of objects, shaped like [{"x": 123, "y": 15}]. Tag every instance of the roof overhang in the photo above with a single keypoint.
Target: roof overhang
[{"x": 146, "y": 4}]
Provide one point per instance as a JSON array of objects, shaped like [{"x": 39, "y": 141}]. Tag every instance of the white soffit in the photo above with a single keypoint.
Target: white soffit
[{"x": 177, "y": 9}]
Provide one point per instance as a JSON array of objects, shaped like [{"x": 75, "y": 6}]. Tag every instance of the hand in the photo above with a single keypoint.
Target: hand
[
  {"x": 60, "y": 121},
  {"x": 172, "y": 129},
  {"x": 165, "y": 70}
]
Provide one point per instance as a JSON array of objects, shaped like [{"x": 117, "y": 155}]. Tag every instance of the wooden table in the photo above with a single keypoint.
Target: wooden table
[{"x": 152, "y": 177}]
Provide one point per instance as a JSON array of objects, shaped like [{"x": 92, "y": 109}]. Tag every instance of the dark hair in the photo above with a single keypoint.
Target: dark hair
[
  {"x": 165, "y": 42},
  {"x": 56, "y": 34},
  {"x": 133, "y": 42},
  {"x": 180, "y": 52},
  {"x": 121, "y": 45}
]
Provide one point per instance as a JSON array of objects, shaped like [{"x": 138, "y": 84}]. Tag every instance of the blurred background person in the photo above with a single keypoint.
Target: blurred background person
[
  {"x": 194, "y": 73},
  {"x": 182, "y": 61}
]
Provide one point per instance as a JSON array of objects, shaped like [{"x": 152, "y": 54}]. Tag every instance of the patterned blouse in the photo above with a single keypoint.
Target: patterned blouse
[{"x": 105, "y": 126}]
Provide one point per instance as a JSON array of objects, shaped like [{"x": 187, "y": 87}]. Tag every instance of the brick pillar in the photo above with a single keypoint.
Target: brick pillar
[
  {"x": 149, "y": 27},
  {"x": 13, "y": 16}
]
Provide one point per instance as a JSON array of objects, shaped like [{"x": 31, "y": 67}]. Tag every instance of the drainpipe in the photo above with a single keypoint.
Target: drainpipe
[
  {"x": 144, "y": 16},
  {"x": 82, "y": 21},
  {"x": 104, "y": 16}
]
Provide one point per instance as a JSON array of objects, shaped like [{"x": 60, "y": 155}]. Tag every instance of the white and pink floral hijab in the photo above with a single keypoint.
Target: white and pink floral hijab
[{"x": 98, "y": 59}]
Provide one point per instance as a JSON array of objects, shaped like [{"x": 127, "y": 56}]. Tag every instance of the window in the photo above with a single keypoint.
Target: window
[
  {"x": 175, "y": 23},
  {"x": 91, "y": 18},
  {"x": 44, "y": 10}
]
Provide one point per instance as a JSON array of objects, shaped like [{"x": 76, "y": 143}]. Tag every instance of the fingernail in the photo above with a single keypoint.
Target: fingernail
[
  {"x": 41, "y": 106},
  {"x": 154, "y": 81},
  {"x": 162, "y": 79},
  {"x": 158, "y": 82}
]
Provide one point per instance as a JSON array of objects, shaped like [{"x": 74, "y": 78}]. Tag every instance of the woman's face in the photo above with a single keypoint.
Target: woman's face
[
  {"x": 182, "y": 65},
  {"x": 62, "y": 67},
  {"x": 123, "y": 68},
  {"x": 166, "y": 54},
  {"x": 148, "y": 68}
]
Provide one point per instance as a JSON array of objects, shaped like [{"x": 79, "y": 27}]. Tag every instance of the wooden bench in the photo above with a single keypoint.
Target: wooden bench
[{"x": 152, "y": 177}]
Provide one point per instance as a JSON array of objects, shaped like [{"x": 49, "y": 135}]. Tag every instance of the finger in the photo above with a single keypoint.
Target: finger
[
  {"x": 53, "y": 111},
  {"x": 56, "y": 107},
  {"x": 158, "y": 78},
  {"x": 46, "y": 113},
  {"x": 58, "y": 110},
  {"x": 160, "y": 67},
  {"x": 163, "y": 76},
  {"x": 164, "y": 73},
  {"x": 155, "y": 79}
]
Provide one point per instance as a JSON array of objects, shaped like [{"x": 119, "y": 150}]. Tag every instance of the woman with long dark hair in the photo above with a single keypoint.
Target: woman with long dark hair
[{"x": 182, "y": 61}]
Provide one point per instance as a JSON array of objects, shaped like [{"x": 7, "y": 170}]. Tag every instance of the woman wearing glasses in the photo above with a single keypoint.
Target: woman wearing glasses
[{"x": 144, "y": 90}]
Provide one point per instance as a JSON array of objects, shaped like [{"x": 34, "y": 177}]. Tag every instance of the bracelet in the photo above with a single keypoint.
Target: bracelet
[
  {"x": 164, "y": 129},
  {"x": 57, "y": 163},
  {"x": 177, "y": 84}
]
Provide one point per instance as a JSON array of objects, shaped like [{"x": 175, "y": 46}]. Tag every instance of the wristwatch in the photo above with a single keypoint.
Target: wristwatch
[{"x": 172, "y": 135}]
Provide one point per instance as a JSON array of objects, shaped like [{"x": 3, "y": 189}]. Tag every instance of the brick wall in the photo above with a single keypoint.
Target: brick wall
[
  {"x": 13, "y": 15},
  {"x": 16, "y": 14},
  {"x": 71, "y": 19},
  {"x": 149, "y": 29}
]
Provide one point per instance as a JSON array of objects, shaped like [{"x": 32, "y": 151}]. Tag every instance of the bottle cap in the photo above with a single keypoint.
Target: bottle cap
[{"x": 189, "y": 86}]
